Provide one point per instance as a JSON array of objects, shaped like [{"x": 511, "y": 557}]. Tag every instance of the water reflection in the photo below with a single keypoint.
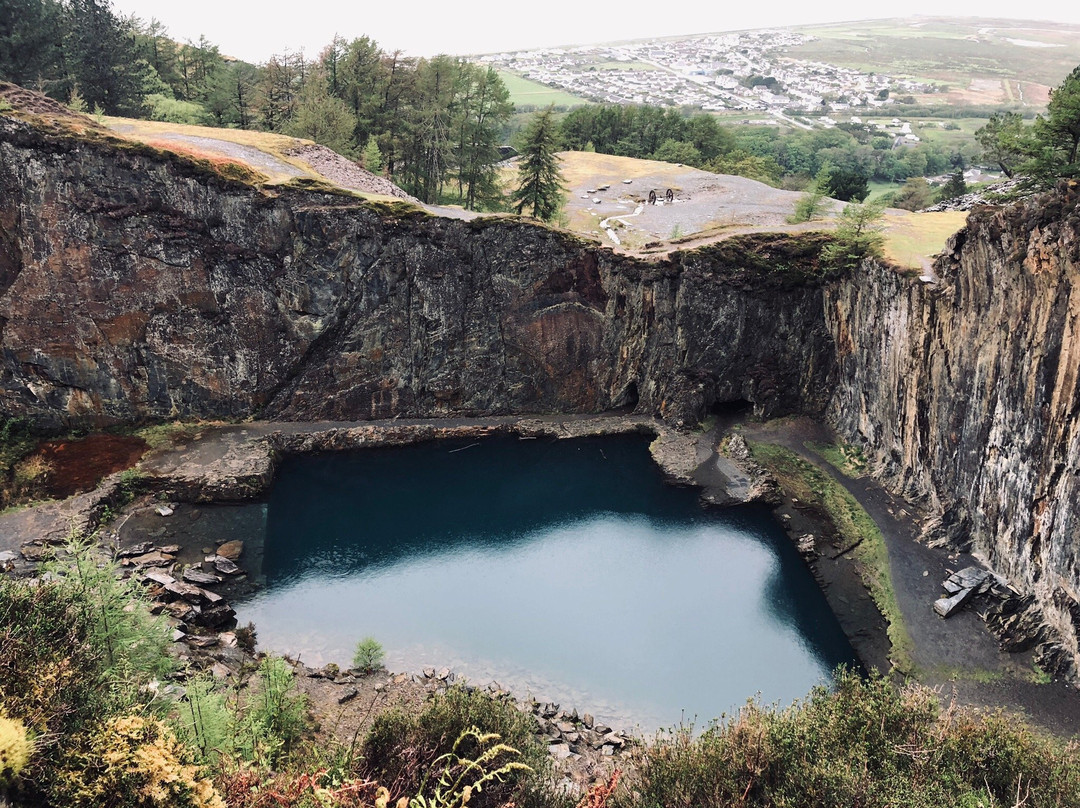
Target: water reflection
[{"x": 565, "y": 568}]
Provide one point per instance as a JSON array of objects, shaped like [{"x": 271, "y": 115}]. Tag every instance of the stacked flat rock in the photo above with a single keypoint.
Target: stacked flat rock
[{"x": 961, "y": 585}]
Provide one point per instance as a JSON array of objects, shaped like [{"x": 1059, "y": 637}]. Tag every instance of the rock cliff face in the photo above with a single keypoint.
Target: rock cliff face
[
  {"x": 965, "y": 394},
  {"x": 134, "y": 287}
]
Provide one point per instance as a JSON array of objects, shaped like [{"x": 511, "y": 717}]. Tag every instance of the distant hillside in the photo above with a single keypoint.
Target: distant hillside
[
  {"x": 981, "y": 61},
  {"x": 918, "y": 61}
]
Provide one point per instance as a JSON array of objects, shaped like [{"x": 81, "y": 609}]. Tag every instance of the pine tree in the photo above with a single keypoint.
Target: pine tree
[
  {"x": 99, "y": 51},
  {"x": 540, "y": 183},
  {"x": 322, "y": 117},
  {"x": 954, "y": 187},
  {"x": 1002, "y": 140},
  {"x": 485, "y": 107},
  {"x": 1057, "y": 136},
  {"x": 30, "y": 34},
  {"x": 372, "y": 157}
]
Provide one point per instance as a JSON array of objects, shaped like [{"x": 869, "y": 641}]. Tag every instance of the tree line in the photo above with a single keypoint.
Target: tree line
[
  {"x": 1047, "y": 149},
  {"x": 434, "y": 126},
  {"x": 764, "y": 153}
]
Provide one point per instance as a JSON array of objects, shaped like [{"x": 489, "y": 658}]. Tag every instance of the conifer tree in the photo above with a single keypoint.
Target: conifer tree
[{"x": 540, "y": 183}]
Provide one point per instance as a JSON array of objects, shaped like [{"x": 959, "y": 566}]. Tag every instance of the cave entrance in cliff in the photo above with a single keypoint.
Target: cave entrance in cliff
[
  {"x": 628, "y": 401},
  {"x": 567, "y": 569},
  {"x": 732, "y": 410}
]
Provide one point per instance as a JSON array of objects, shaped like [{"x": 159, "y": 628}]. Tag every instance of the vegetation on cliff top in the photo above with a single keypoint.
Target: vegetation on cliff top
[{"x": 865, "y": 743}]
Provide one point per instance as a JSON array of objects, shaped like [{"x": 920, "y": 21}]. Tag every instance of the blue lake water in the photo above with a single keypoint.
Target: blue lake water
[{"x": 566, "y": 570}]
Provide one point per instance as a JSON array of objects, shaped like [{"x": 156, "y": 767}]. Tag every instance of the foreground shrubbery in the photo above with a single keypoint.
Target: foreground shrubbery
[
  {"x": 403, "y": 750},
  {"x": 867, "y": 743},
  {"x": 74, "y": 654},
  {"x": 81, "y": 725}
]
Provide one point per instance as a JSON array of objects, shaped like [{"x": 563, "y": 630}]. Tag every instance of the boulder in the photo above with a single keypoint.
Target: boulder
[
  {"x": 967, "y": 578},
  {"x": 231, "y": 550},
  {"x": 945, "y": 607},
  {"x": 216, "y": 616},
  {"x": 559, "y": 751}
]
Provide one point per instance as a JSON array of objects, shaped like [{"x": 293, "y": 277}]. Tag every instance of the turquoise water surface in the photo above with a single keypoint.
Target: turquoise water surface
[{"x": 566, "y": 570}]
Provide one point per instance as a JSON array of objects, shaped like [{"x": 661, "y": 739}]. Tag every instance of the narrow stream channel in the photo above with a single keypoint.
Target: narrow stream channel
[{"x": 563, "y": 569}]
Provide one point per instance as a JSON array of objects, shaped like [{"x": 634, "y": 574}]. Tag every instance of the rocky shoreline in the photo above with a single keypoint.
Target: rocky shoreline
[
  {"x": 190, "y": 586},
  {"x": 238, "y": 462}
]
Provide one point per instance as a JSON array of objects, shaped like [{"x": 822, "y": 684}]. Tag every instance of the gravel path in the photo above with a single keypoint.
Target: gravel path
[
  {"x": 255, "y": 158},
  {"x": 959, "y": 655},
  {"x": 703, "y": 202}
]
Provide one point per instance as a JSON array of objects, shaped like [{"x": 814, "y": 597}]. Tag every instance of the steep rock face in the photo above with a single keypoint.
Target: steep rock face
[
  {"x": 136, "y": 287},
  {"x": 965, "y": 394}
]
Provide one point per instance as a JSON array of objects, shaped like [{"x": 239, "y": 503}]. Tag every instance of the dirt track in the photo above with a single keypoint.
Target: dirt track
[{"x": 959, "y": 655}]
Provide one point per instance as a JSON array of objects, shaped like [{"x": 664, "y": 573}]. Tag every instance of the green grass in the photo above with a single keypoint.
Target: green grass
[
  {"x": 879, "y": 189},
  {"x": 801, "y": 479},
  {"x": 525, "y": 92},
  {"x": 164, "y": 436},
  {"x": 912, "y": 239},
  {"x": 848, "y": 460}
]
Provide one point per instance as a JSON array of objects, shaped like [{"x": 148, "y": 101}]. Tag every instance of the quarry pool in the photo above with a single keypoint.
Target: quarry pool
[{"x": 563, "y": 569}]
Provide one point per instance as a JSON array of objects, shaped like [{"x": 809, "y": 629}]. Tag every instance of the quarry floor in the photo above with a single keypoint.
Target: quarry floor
[{"x": 958, "y": 656}]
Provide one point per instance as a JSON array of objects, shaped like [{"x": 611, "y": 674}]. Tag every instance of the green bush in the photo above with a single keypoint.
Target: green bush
[
  {"x": 275, "y": 716},
  {"x": 163, "y": 108},
  {"x": 74, "y": 652},
  {"x": 133, "y": 643},
  {"x": 401, "y": 748},
  {"x": 866, "y": 743},
  {"x": 205, "y": 721},
  {"x": 858, "y": 235},
  {"x": 369, "y": 655}
]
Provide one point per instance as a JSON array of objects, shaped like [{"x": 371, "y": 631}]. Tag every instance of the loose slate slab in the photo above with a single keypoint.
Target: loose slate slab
[
  {"x": 151, "y": 559},
  {"x": 223, "y": 565},
  {"x": 158, "y": 577},
  {"x": 196, "y": 576},
  {"x": 945, "y": 607}
]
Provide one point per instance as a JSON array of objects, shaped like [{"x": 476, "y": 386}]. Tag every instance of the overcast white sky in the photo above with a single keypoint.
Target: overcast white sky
[{"x": 255, "y": 29}]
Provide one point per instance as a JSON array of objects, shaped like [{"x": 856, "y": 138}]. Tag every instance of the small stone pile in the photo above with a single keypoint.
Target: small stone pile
[
  {"x": 201, "y": 617},
  {"x": 991, "y": 195},
  {"x": 969, "y": 581},
  {"x": 570, "y": 736}
]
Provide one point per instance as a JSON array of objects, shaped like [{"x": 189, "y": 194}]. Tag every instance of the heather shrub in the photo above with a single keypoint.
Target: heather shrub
[
  {"x": 866, "y": 743},
  {"x": 401, "y": 750},
  {"x": 137, "y": 762}
]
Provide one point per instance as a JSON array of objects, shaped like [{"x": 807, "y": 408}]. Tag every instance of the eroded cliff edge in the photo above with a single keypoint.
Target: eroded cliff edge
[
  {"x": 135, "y": 287},
  {"x": 132, "y": 287},
  {"x": 965, "y": 395}
]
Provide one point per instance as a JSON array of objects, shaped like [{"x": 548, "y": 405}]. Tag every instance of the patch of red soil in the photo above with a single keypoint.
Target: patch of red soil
[{"x": 79, "y": 465}]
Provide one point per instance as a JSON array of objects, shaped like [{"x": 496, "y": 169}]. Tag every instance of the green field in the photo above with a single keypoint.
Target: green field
[
  {"x": 879, "y": 189},
  {"x": 525, "y": 92},
  {"x": 950, "y": 51}
]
